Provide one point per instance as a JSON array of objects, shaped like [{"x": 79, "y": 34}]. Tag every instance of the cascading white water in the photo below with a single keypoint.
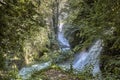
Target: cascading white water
[
  {"x": 81, "y": 60},
  {"x": 90, "y": 57},
  {"x": 84, "y": 58},
  {"x": 63, "y": 42},
  {"x": 26, "y": 72}
]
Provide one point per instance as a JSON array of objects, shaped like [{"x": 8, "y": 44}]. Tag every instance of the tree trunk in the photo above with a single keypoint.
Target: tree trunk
[{"x": 55, "y": 16}]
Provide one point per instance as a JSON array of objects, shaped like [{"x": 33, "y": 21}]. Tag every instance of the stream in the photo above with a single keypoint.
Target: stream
[{"x": 83, "y": 59}]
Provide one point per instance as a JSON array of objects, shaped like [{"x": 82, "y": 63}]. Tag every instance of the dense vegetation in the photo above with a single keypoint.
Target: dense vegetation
[
  {"x": 23, "y": 27},
  {"x": 28, "y": 31},
  {"x": 97, "y": 19}
]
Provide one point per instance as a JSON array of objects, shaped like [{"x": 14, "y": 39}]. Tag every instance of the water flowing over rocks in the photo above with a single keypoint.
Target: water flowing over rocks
[
  {"x": 83, "y": 59},
  {"x": 90, "y": 57},
  {"x": 26, "y": 72}
]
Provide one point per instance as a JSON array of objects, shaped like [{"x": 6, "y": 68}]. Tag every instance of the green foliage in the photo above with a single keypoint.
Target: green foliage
[
  {"x": 59, "y": 56},
  {"x": 37, "y": 45},
  {"x": 2, "y": 64},
  {"x": 13, "y": 74},
  {"x": 23, "y": 31},
  {"x": 96, "y": 19},
  {"x": 110, "y": 67},
  {"x": 25, "y": 34}
]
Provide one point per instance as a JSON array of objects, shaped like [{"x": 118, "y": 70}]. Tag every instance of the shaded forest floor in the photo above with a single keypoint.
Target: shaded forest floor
[{"x": 54, "y": 74}]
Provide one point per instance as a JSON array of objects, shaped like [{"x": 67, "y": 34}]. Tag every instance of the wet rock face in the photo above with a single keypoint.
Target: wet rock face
[{"x": 74, "y": 39}]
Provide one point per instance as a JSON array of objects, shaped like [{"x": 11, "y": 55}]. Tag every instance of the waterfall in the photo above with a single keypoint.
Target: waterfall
[
  {"x": 84, "y": 58},
  {"x": 90, "y": 57},
  {"x": 81, "y": 59},
  {"x": 63, "y": 42}
]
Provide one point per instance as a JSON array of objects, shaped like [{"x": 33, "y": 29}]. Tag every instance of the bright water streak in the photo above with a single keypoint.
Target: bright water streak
[
  {"x": 26, "y": 72},
  {"x": 84, "y": 58},
  {"x": 90, "y": 57},
  {"x": 63, "y": 42}
]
